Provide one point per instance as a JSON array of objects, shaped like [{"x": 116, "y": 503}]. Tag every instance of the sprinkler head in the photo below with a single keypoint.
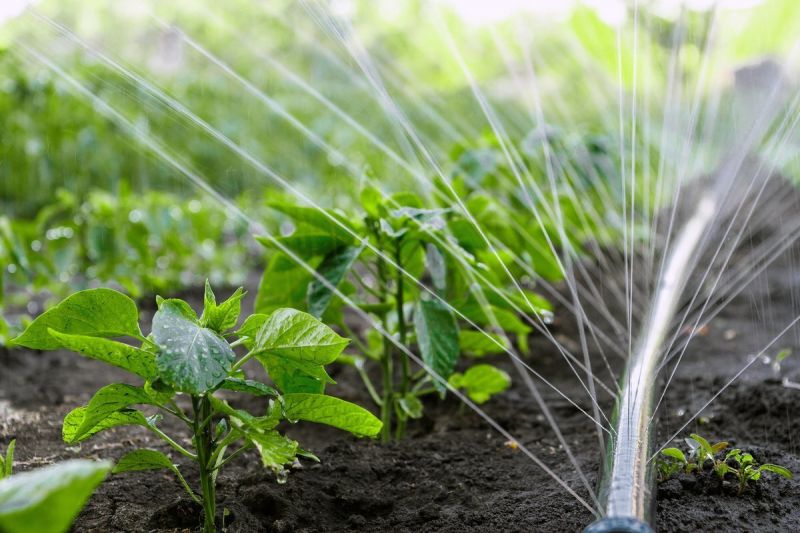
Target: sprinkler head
[{"x": 618, "y": 524}]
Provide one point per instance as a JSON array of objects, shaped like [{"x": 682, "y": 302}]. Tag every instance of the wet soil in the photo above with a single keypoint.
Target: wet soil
[{"x": 454, "y": 473}]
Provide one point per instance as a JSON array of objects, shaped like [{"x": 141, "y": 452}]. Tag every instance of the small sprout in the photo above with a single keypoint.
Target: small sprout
[
  {"x": 706, "y": 456},
  {"x": 7, "y": 463},
  {"x": 511, "y": 444}
]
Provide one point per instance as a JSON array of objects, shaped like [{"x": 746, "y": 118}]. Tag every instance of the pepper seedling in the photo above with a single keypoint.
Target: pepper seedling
[
  {"x": 7, "y": 462},
  {"x": 189, "y": 356},
  {"x": 704, "y": 454}
]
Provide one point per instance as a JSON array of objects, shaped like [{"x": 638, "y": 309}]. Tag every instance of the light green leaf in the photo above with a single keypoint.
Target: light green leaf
[
  {"x": 106, "y": 401},
  {"x": 675, "y": 453},
  {"x": 93, "y": 312},
  {"x": 275, "y": 449},
  {"x": 410, "y": 405},
  {"x": 324, "y": 220},
  {"x": 480, "y": 344},
  {"x": 191, "y": 358},
  {"x": 481, "y": 382},
  {"x": 47, "y": 500},
  {"x": 115, "y": 353},
  {"x": 334, "y": 268},
  {"x": 299, "y": 336},
  {"x": 224, "y": 316},
  {"x": 437, "y": 336},
  {"x": 74, "y": 420},
  {"x": 331, "y": 411},
  {"x": 283, "y": 284},
  {"x": 780, "y": 470},
  {"x": 7, "y": 464},
  {"x": 296, "y": 376}
]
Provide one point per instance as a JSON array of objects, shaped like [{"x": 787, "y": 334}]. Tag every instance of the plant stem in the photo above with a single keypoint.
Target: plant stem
[
  {"x": 386, "y": 357},
  {"x": 205, "y": 445},
  {"x": 401, "y": 329},
  {"x": 249, "y": 355},
  {"x": 180, "y": 449}
]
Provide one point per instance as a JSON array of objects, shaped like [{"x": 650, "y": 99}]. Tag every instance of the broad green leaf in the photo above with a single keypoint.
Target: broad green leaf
[
  {"x": 507, "y": 320},
  {"x": 307, "y": 245},
  {"x": 250, "y": 328},
  {"x": 295, "y": 376},
  {"x": 299, "y": 336},
  {"x": 74, "y": 420},
  {"x": 325, "y": 220},
  {"x": 115, "y": 353},
  {"x": 675, "y": 453},
  {"x": 143, "y": 459},
  {"x": 780, "y": 470},
  {"x": 48, "y": 499},
  {"x": 372, "y": 202},
  {"x": 481, "y": 382},
  {"x": 93, "y": 312},
  {"x": 480, "y": 344},
  {"x": 192, "y": 358},
  {"x": 283, "y": 284},
  {"x": 437, "y": 337},
  {"x": 106, "y": 401},
  {"x": 224, "y": 316},
  {"x": 331, "y": 411},
  {"x": 249, "y": 386},
  {"x": 275, "y": 449},
  {"x": 333, "y": 269},
  {"x": 704, "y": 444}
]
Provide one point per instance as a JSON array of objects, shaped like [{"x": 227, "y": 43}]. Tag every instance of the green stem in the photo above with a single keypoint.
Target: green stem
[
  {"x": 368, "y": 383},
  {"x": 387, "y": 404},
  {"x": 401, "y": 328},
  {"x": 232, "y": 455},
  {"x": 249, "y": 355},
  {"x": 205, "y": 445},
  {"x": 166, "y": 438}
]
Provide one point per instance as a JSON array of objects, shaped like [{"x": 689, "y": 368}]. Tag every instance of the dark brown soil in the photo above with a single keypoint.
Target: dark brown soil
[{"x": 453, "y": 473}]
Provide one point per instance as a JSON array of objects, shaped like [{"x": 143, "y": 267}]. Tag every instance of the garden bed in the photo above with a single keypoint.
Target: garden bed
[{"x": 453, "y": 473}]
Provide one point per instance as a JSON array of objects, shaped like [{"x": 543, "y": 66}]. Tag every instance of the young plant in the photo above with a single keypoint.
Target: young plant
[
  {"x": 374, "y": 259},
  {"x": 747, "y": 470},
  {"x": 48, "y": 499},
  {"x": 704, "y": 455},
  {"x": 191, "y": 356},
  {"x": 7, "y": 463}
]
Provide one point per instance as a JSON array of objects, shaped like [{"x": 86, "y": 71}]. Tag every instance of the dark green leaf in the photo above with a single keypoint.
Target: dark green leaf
[
  {"x": 296, "y": 376},
  {"x": 191, "y": 358},
  {"x": 333, "y": 269},
  {"x": 48, "y": 499},
  {"x": 93, "y": 312},
  {"x": 437, "y": 336},
  {"x": 326, "y": 221},
  {"x": 435, "y": 262},
  {"x": 143, "y": 459}
]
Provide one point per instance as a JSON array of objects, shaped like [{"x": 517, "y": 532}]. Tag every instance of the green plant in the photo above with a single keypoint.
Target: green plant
[
  {"x": 703, "y": 454},
  {"x": 744, "y": 466},
  {"x": 48, "y": 499},
  {"x": 194, "y": 356},
  {"x": 374, "y": 259},
  {"x": 7, "y": 463}
]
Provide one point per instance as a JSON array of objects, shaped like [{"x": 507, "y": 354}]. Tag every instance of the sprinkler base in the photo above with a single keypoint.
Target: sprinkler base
[{"x": 618, "y": 524}]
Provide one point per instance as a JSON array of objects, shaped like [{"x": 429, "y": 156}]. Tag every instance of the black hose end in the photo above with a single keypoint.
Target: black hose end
[{"x": 619, "y": 524}]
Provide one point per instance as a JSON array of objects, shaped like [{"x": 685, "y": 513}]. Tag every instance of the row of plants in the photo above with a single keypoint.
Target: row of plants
[{"x": 143, "y": 243}]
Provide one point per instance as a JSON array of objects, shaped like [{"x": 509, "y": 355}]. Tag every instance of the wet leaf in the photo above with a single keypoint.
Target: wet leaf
[
  {"x": 224, "y": 316},
  {"x": 292, "y": 334},
  {"x": 191, "y": 358},
  {"x": 106, "y": 401}
]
